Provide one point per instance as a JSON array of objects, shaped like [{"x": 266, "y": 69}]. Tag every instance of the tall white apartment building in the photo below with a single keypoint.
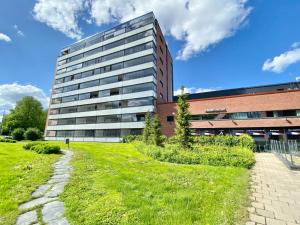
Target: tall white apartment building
[{"x": 104, "y": 84}]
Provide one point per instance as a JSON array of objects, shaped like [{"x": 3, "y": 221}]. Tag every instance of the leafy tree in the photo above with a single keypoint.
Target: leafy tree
[
  {"x": 18, "y": 134},
  {"x": 147, "y": 129},
  {"x": 27, "y": 113},
  {"x": 182, "y": 131},
  {"x": 156, "y": 137}
]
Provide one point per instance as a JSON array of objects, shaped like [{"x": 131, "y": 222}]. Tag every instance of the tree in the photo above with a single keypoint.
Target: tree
[
  {"x": 27, "y": 113},
  {"x": 156, "y": 137},
  {"x": 182, "y": 131},
  {"x": 147, "y": 129}
]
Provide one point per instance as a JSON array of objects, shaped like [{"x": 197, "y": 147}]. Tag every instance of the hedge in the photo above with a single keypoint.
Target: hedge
[
  {"x": 42, "y": 148},
  {"x": 206, "y": 155}
]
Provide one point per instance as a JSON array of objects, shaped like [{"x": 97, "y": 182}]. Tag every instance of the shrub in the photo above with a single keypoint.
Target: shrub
[
  {"x": 42, "y": 148},
  {"x": 130, "y": 138},
  {"x": 225, "y": 140},
  {"x": 18, "y": 134},
  {"x": 32, "y": 134},
  {"x": 7, "y": 140},
  {"x": 207, "y": 155}
]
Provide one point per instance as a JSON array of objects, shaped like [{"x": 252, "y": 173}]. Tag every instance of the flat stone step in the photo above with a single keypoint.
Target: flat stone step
[{"x": 27, "y": 218}]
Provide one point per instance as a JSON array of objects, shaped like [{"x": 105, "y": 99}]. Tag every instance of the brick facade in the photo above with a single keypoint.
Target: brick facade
[{"x": 268, "y": 101}]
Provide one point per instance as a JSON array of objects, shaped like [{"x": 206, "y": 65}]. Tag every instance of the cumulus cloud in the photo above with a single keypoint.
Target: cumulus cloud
[
  {"x": 19, "y": 32},
  {"x": 4, "y": 37},
  {"x": 11, "y": 93},
  {"x": 279, "y": 63},
  {"x": 295, "y": 45},
  {"x": 60, "y": 15},
  {"x": 193, "y": 90},
  {"x": 199, "y": 24}
]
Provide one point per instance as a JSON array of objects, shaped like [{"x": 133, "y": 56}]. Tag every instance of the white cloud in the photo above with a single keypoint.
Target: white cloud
[
  {"x": 19, "y": 32},
  {"x": 193, "y": 90},
  {"x": 61, "y": 15},
  {"x": 295, "y": 45},
  {"x": 11, "y": 93},
  {"x": 279, "y": 63},
  {"x": 4, "y": 37},
  {"x": 297, "y": 78},
  {"x": 199, "y": 24}
]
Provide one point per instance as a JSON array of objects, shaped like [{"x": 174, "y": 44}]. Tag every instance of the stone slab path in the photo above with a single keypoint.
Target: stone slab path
[
  {"x": 45, "y": 200},
  {"x": 275, "y": 197}
]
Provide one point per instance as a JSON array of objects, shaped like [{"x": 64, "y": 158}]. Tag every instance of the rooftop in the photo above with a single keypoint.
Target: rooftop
[{"x": 245, "y": 90}]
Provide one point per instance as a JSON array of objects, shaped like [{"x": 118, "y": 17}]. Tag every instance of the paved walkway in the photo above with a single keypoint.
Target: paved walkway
[
  {"x": 275, "y": 192},
  {"x": 45, "y": 200}
]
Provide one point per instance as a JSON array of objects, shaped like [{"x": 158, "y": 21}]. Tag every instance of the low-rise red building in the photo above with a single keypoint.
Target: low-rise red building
[{"x": 265, "y": 112}]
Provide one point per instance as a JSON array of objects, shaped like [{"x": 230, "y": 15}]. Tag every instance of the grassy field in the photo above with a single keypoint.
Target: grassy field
[
  {"x": 20, "y": 173},
  {"x": 115, "y": 184}
]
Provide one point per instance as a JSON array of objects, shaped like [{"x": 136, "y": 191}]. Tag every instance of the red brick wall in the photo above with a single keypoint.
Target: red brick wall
[
  {"x": 164, "y": 69},
  {"x": 243, "y": 103}
]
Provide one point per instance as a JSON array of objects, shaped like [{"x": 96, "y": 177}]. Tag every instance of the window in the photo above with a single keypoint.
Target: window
[
  {"x": 95, "y": 94},
  {"x": 92, "y": 83},
  {"x": 57, "y": 90},
  {"x": 54, "y": 111},
  {"x": 137, "y": 102},
  {"x": 161, "y": 96},
  {"x": 160, "y": 37},
  {"x": 64, "y": 133},
  {"x": 68, "y": 121},
  {"x": 109, "y": 119},
  {"x": 69, "y": 78},
  {"x": 56, "y": 100},
  {"x": 138, "y": 61},
  {"x": 109, "y": 80},
  {"x": 84, "y": 133},
  {"x": 52, "y": 122},
  {"x": 59, "y": 81},
  {"x": 161, "y": 50},
  {"x": 133, "y": 117},
  {"x": 161, "y": 72},
  {"x": 74, "y": 67},
  {"x": 204, "y": 117},
  {"x": 93, "y": 51},
  {"x": 86, "y": 108},
  {"x": 109, "y": 105},
  {"x": 108, "y": 133},
  {"x": 161, "y": 60},
  {"x": 84, "y": 96},
  {"x": 86, "y": 120},
  {"x": 90, "y": 62},
  {"x": 69, "y": 98},
  {"x": 138, "y": 74},
  {"x": 71, "y": 88},
  {"x": 113, "y": 56},
  {"x": 138, "y": 88},
  {"x": 161, "y": 83},
  {"x": 51, "y": 133},
  {"x": 170, "y": 118},
  {"x": 87, "y": 74},
  {"x": 68, "y": 110}
]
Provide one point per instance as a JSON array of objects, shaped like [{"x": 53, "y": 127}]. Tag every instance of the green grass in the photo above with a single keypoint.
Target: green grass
[
  {"x": 20, "y": 173},
  {"x": 115, "y": 184}
]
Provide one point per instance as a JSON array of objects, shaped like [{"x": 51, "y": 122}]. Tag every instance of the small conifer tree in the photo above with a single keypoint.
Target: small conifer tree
[
  {"x": 156, "y": 137},
  {"x": 182, "y": 131},
  {"x": 147, "y": 128}
]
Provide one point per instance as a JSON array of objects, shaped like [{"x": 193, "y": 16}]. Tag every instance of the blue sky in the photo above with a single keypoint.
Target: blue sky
[{"x": 257, "y": 30}]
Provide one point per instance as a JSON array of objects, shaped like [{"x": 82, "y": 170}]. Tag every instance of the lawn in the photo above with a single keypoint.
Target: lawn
[
  {"x": 20, "y": 173},
  {"x": 115, "y": 184}
]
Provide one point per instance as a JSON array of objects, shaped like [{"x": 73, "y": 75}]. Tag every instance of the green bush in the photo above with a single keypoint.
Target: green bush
[
  {"x": 207, "y": 155},
  {"x": 18, "y": 134},
  {"x": 32, "y": 134},
  {"x": 42, "y": 148},
  {"x": 225, "y": 140},
  {"x": 7, "y": 140},
  {"x": 130, "y": 138}
]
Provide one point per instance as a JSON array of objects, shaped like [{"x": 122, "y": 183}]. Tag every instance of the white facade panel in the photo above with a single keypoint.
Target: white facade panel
[
  {"x": 128, "y": 110},
  {"x": 106, "y": 99},
  {"x": 106, "y": 63},
  {"x": 128, "y": 34},
  {"x": 79, "y": 139},
  {"x": 98, "y": 126},
  {"x": 108, "y": 74},
  {"x": 109, "y": 51},
  {"x": 107, "y": 86}
]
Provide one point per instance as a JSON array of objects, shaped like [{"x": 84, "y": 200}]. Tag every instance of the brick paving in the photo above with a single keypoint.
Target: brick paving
[{"x": 275, "y": 192}]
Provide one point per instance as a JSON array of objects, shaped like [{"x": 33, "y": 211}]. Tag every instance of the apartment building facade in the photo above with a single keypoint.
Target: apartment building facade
[{"x": 104, "y": 84}]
